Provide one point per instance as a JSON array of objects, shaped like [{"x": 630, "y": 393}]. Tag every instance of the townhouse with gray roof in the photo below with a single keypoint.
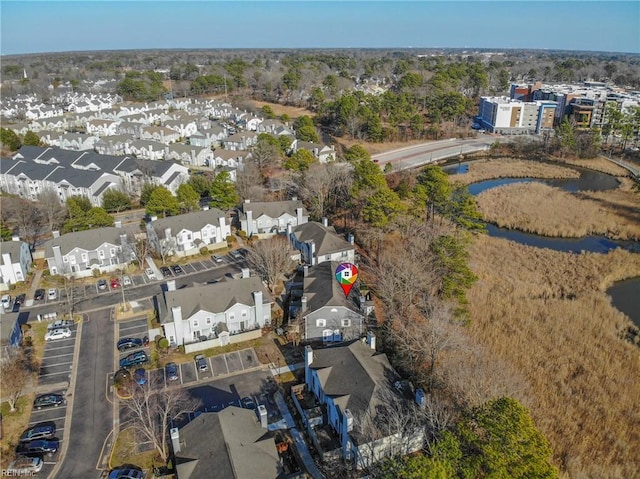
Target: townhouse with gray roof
[
  {"x": 228, "y": 307},
  {"x": 184, "y": 235},
  {"x": 34, "y": 169},
  {"x": 189, "y": 154},
  {"x": 271, "y": 216},
  {"x": 327, "y": 314},
  {"x": 238, "y": 446},
  {"x": 355, "y": 384},
  {"x": 78, "y": 254},
  {"x": 15, "y": 263},
  {"x": 319, "y": 242}
]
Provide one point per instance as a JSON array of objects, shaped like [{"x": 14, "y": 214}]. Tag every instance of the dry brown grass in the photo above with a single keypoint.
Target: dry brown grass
[
  {"x": 598, "y": 164},
  {"x": 542, "y": 209},
  {"x": 292, "y": 111},
  {"x": 585, "y": 379},
  {"x": 481, "y": 170}
]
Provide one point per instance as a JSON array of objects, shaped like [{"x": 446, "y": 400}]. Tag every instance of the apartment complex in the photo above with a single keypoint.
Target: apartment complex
[{"x": 505, "y": 116}]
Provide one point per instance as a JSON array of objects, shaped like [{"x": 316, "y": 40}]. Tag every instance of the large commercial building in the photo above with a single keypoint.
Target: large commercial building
[{"x": 506, "y": 116}]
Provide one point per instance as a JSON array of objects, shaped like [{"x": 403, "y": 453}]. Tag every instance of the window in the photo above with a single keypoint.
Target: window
[
  {"x": 65, "y": 259},
  {"x": 321, "y": 323},
  {"x": 346, "y": 323},
  {"x": 53, "y": 270},
  {"x": 101, "y": 254},
  {"x": 232, "y": 316},
  {"x": 195, "y": 323},
  {"x": 85, "y": 257},
  {"x": 208, "y": 320},
  {"x": 112, "y": 251},
  {"x": 244, "y": 313},
  {"x": 72, "y": 259},
  {"x": 328, "y": 257}
]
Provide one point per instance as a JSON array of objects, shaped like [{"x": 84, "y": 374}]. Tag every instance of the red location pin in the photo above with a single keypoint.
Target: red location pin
[{"x": 346, "y": 274}]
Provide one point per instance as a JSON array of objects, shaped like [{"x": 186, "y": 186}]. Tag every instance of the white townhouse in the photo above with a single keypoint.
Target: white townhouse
[
  {"x": 184, "y": 127},
  {"x": 319, "y": 242},
  {"x": 16, "y": 261},
  {"x": 149, "y": 150},
  {"x": 100, "y": 127},
  {"x": 79, "y": 254},
  {"x": 185, "y": 234},
  {"x": 271, "y": 216},
  {"x": 159, "y": 133},
  {"x": 218, "y": 310},
  {"x": 189, "y": 154}
]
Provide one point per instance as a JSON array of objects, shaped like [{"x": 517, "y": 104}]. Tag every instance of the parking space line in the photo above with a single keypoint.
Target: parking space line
[
  {"x": 52, "y": 419},
  {"x": 180, "y": 368},
  {"x": 58, "y": 364},
  {"x": 138, "y": 326},
  {"x": 57, "y": 356},
  {"x": 240, "y": 358},
  {"x": 224, "y": 356},
  {"x": 52, "y": 374}
]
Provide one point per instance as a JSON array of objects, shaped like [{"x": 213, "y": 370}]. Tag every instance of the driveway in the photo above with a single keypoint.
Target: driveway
[{"x": 92, "y": 411}]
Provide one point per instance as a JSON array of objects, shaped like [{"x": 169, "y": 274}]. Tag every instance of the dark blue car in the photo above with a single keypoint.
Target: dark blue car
[
  {"x": 129, "y": 343},
  {"x": 133, "y": 359}
]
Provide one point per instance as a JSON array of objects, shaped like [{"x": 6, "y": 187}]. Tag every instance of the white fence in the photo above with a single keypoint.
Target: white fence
[{"x": 215, "y": 343}]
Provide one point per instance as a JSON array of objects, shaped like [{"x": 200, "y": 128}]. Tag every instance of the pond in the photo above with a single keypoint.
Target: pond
[{"x": 625, "y": 296}]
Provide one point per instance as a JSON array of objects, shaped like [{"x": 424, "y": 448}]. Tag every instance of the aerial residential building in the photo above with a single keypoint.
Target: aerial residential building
[
  {"x": 506, "y": 116},
  {"x": 319, "y": 242},
  {"x": 271, "y": 216},
  {"x": 16, "y": 261},
  {"x": 185, "y": 234}
]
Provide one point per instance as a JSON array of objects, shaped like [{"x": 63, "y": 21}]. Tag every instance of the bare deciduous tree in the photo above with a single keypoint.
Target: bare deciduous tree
[
  {"x": 271, "y": 258},
  {"x": 52, "y": 210},
  {"x": 265, "y": 155},
  {"x": 16, "y": 370},
  {"x": 153, "y": 407},
  {"x": 249, "y": 182},
  {"x": 27, "y": 217},
  {"x": 323, "y": 187}
]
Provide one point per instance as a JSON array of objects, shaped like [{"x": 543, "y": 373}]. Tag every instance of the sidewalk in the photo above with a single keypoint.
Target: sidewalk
[{"x": 286, "y": 369}]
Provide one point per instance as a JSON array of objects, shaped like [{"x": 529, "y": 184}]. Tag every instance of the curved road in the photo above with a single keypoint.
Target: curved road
[{"x": 419, "y": 155}]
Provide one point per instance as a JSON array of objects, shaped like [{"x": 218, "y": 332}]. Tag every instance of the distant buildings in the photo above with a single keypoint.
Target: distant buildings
[{"x": 507, "y": 116}]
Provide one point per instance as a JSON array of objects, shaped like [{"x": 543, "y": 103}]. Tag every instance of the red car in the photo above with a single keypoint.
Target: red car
[{"x": 115, "y": 283}]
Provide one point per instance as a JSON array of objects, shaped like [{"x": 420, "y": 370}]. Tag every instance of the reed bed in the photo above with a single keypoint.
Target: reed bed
[
  {"x": 546, "y": 314},
  {"x": 542, "y": 209},
  {"x": 598, "y": 164},
  {"x": 480, "y": 170}
]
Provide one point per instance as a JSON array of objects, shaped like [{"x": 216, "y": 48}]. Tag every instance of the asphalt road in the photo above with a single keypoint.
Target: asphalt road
[
  {"x": 419, "y": 155},
  {"x": 92, "y": 414}
]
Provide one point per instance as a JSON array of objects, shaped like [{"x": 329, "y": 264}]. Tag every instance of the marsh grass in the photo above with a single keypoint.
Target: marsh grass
[
  {"x": 546, "y": 314},
  {"x": 481, "y": 170},
  {"x": 542, "y": 209}
]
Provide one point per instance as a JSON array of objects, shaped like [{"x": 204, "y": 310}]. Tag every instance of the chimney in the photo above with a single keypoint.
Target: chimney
[
  {"x": 56, "y": 233},
  {"x": 171, "y": 285},
  {"x": 15, "y": 238},
  {"x": 118, "y": 224},
  {"x": 350, "y": 238},
  {"x": 308, "y": 360},
  {"x": 247, "y": 201},
  {"x": 262, "y": 412},
  {"x": 154, "y": 218},
  {"x": 257, "y": 298},
  {"x": 167, "y": 233},
  {"x": 325, "y": 222},
  {"x": 289, "y": 230},
  {"x": 249, "y": 222},
  {"x": 57, "y": 254},
  {"x": 299, "y": 215},
  {"x": 371, "y": 340},
  {"x": 176, "y": 313},
  {"x": 294, "y": 198},
  {"x": 303, "y": 304},
  {"x": 175, "y": 439}
]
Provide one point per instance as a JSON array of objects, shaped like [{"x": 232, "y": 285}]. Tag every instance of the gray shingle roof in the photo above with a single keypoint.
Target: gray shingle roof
[
  {"x": 225, "y": 445},
  {"x": 216, "y": 298},
  {"x": 11, "y": 247},
  {"x": 88, "y": 240},
  {"x": 192, "y": 221},
  {"x": 326, "y": 239},
  {"x": 322, "y": 289},
  {"x": 353, "y": 374},
  {"x": 273, "y": 209}
]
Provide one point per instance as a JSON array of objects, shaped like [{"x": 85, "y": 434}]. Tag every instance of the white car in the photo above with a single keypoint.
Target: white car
[
  {"x": 60, "y": 333},
  {"x": 24, "y": 466},
  {"x": 52, "y": 294},
  {"x": 60, "y": 323},
  {"x": 126, "y": 281},
  {"x": 6, "y": 301},
  {"x": 150, "y": 274}
]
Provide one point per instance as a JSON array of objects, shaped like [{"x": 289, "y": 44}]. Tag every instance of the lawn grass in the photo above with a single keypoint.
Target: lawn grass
[
  {"x": 13, "y": 424},
  {"x": 124, "y": 452}
]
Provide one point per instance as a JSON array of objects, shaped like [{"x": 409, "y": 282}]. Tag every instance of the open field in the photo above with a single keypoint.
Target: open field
[
  {"x": 542, "y": 209},
  {"x": 292, "y": 111},
  {"x": 480, "y": 170},
  {"x": 546, "y": 313}
]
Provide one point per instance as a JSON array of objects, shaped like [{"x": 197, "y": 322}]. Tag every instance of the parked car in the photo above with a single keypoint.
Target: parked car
[
  {"x": 150, "y": 274},
  {"x": 24, "y": 466},
  {"x": 216, "y": 258},
  {"x": 52, "y": 294},
  {"x": 166, "y": 272},
  {"x": 5, "y": 301},
  {"x": 133, "y": 359},
  {"x": 114, "y": 283},
  {"x": 129, "y": 343},
  {"x": 59, "y": 333},
  {"x": 39, "y": 295},
  {"x": 102, "y": 284},
  {"x": 235, "y": 254},
  {"x": 20, "y": 299},
  {"x": 248, "y": 403},
  {"x": 39, "y": 447},
  {"x": 126, "y": 281},
  {"x": 128, "y": 472},
  {"x": 171, "y": 370},
  {"x": 140, "y": 376},
  {"x": 177, "y": 269},
  {"x": 48, "y": 400},
  {"x": 39, "y": 431},
  {"x": 60, "y": 323},
  {"x": 201, "y": 362}
]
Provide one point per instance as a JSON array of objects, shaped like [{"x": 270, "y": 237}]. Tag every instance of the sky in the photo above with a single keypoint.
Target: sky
[{"x": 58, "y": 26}]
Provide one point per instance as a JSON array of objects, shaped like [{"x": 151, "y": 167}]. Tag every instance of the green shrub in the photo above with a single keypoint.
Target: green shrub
[
  {"x": 163, "y": 343},
  {"x": 204, "y": 251},
  {"x": 242, "y": 234},
  {"x": 231, "y": 239},
  {"x": 95, "y": 272}
]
